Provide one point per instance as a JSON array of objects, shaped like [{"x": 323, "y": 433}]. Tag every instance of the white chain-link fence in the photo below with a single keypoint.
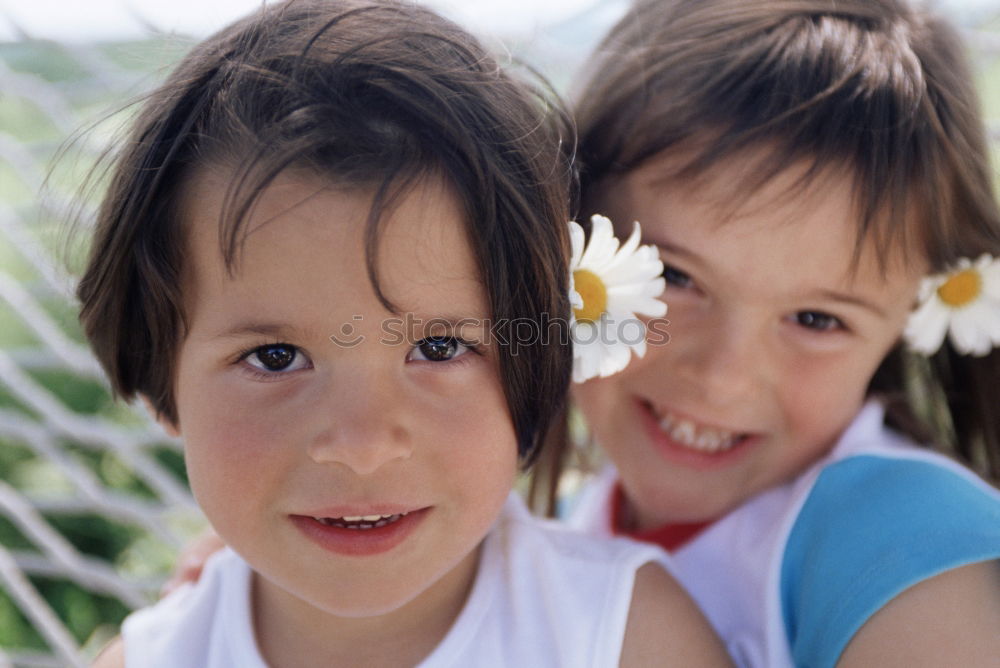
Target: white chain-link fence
[{"x": 93, "y": 500}]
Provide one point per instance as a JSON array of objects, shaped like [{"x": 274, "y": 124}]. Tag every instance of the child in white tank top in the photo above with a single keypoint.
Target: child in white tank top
[{"x": 310, "y": 261}]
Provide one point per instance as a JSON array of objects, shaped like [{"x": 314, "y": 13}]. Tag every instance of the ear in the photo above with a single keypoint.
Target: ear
[{"x": 172, "y": 428}]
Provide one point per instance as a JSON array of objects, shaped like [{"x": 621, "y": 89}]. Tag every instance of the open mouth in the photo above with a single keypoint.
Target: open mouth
[
  {"x": 360, "y": 535},
  {"x": 361, "y": 522},
  {"x": 695, "y": 436}
]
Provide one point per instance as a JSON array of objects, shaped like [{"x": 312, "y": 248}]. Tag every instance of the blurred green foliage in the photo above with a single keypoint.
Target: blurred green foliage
[{"x": 90, "y": 617}]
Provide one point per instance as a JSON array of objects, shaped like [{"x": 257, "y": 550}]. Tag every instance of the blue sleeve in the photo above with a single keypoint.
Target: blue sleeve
[{"x": 872, "y": 527}]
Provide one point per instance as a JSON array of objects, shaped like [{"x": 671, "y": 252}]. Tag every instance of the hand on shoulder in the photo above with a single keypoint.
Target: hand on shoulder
[
  {"x": 665, "y": 626},
  {"x": 192, "y": 559},
  {"x": 950, "y": 619}
]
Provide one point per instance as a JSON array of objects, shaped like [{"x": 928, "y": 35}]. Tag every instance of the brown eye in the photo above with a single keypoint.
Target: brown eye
[
  {"x": 438, "y": 349},
  {"x": 676, "y": 277},
  {"x": 818, "y": 321},
  {"x": 276, "y": 358}
]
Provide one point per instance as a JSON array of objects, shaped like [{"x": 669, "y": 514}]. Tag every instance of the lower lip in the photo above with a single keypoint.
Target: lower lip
[
  {"x": 359, "y": 542},
  {"x": 679, "y": 454}
]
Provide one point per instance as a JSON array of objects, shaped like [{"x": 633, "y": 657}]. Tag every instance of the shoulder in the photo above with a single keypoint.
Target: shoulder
[
  {"x": 887, "y": 498},
  {"x": 613, "y": 588},
  {"x": 909, "y": 505},
  {"x": 112, "y": 656},
  {"x": 949, "y": 619},
  {"x": 181, "y": 628},
  {"x": 665, "y": 627},
  {"x": 871, "y": 527}
]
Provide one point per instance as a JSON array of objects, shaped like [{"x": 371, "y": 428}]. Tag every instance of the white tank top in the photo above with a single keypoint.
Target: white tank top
[{"x": 544, "y": 595}]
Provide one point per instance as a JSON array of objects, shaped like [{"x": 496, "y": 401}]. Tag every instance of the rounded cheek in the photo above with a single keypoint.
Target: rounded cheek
[
  {"x": 605, "y": 406},
  {"x": 816, "y": 412},
  {"x": 472, "y": 438},
  {"x": 596, "y": 399},
  {"x": 235, "y": 459}
]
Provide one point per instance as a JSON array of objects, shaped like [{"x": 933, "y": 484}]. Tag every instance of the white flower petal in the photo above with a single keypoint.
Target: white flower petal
[
  {"x": 639, "y": 348},
  {"x": 978, "y": 327},
  {"x": 633, "y": 272},
  {"x": 641, "y": 264},
  {"x": 972, "y": 329},
  {"x": 587, "y": 352},
  {"x": 632, "y": 275},
  {"x": 992, "y": 320},
  {"x": 632, "y": 243},
  {"x": 928, "y": 287},
  {"x": 640, "y": 305},
  {"x": 626, "y": 256},
  {"x": 991, "y": 280},
  {"x": 576, "y": 242},
  {"x": 632, "y": 333},
  {"x": 615, "y": 358},
  {"x": 967, "y": 332},
  {"x": 653, "y": 287},
  {"x": 927, "y": 327},
  {"x": 575, "y": 298},
  {"x": 602, "y": 247}
]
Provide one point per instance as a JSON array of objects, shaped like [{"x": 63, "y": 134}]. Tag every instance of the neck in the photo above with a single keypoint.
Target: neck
[
  {"x": 292, "y": 632},
  {"x": 668, "y": 535}
]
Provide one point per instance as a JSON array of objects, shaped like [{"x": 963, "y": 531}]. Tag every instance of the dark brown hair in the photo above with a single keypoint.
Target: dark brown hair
[
  {"x": 365, "y": 93},
  {"x": 877, "y": 86}
]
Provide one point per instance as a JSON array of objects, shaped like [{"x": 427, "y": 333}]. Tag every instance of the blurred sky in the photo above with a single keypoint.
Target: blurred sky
[
  {"x": 99, "y": 20},
  {"x": 88, "y": 20}
]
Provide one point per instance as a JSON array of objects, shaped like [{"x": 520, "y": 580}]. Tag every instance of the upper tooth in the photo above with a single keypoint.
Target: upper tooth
[
  {"x": 684, "y": 431},
  {"x": 708, "y": 440},
  {"x": 366, "y": 518},
  {"x": 702, "y": 438}
]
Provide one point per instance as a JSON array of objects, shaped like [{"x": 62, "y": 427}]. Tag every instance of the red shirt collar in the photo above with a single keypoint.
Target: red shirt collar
[{"x": 669, "y": 536}]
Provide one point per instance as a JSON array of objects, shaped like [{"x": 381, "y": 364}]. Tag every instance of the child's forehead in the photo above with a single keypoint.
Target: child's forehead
[
  {"x": 756, "y": 175},
  {"x": 305, "y": 223},
  {"x": 750, "y": 199},
  {"x": 220, "y": 199}
]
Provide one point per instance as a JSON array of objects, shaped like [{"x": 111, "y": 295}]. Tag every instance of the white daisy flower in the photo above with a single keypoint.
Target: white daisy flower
[
  {"x": 963, "y": 303},
  {"x": 612, "y": 286}
]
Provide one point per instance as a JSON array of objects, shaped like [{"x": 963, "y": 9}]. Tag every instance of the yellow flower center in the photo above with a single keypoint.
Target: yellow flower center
[
  {"x": 594, "y": 294},
  {"x": 961, "y": 288}
]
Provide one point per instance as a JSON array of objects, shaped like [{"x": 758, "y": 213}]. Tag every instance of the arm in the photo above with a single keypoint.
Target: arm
[
  {"x": 665, "y": 627},
  {"x": 112, "y": 656},
  {"x": 951, "y": 619}
]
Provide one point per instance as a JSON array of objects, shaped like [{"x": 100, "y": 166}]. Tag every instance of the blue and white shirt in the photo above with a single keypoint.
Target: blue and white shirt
[{"x": 790, "y": 576}]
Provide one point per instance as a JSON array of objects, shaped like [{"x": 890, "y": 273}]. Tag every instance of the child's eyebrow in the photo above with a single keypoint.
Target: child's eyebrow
[
  {"x": 831, "y": 295},
  {"x": 675, "y": 249},
  {"x": 853, "y": 300},
  {"x": 452, "y": 322},
  {"x": 274, "y": 329}
]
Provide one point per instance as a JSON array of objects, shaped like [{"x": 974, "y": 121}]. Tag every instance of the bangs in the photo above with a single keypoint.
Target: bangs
[{"x": 827, "y": 85}]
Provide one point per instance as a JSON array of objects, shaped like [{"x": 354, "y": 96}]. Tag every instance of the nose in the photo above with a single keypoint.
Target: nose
[
  {"x": 723, "y": 358},
  {"x": 362, "y": 427}
]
